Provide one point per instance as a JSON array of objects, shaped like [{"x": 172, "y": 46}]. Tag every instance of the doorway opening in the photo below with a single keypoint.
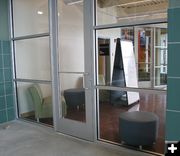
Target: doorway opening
[{"x": 143, "y": 67}]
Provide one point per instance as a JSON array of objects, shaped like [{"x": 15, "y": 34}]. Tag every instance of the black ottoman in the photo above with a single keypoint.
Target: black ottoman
[
  {"x": 74, "y": 97},
  {"x": 138, "y": 128}
]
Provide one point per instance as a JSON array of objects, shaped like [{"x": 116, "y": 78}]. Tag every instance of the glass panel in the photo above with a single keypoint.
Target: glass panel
[
  {"x": 111, "y": 127},
  {"x": 33, "y": 59},
  {"x": 71, "y": 58},
  {"x": 30, "y": 17},
  {"x": 160, "y": 57},
  {"x": 128, "y": 11},
  {"x": 128, "y": 56},
  {"x": 161, "y": 78},
  {"x": 116, "y": 57},
  {"x": 144, "y": 71},
  {"x": 73, "y": 96},
  {"x": 71, "y": 38},
  {"x": 35, "y": 102}
]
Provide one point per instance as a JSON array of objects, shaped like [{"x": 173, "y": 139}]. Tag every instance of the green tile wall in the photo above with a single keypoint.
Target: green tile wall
[
  {"x": 7, "y": 111},
  {"x": 173, "y": 128},
  {"x": 4, "y": 28},
  {"x": 174, "y": 3},
  {"x": 173, "y": 94}
]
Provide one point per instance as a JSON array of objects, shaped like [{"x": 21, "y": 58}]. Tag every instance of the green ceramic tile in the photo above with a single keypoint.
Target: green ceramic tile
[
  {"x": 11, "y": 114},
  {"x": 8, "y": 74},
  {"x": 170, "y": 24},
  {"x": 174, "y": 3},
  {"x": 1, "y": 61},
  {"x": 173, "y": 25},
  {"x": 172, "y": 126},
  {"x": 8, "y": 88},
  {"x": 172, "y": 94},
  {"x": 6, "y": 47},
  {"x": 2, "y": 103},
  {"x": 10, "y": 101},
  {"x": 1, "y": 76},
  {"x": 1, "y": 89},
  {"x": 7, "y": 61},
  {"x": 0, "y": 47},
  {"x": 173, "y": 60},
  {"x": 3, "y": 117}
]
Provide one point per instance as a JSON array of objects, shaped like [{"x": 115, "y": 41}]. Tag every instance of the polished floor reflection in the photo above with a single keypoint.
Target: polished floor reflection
[{"x": 109, "y": 118}]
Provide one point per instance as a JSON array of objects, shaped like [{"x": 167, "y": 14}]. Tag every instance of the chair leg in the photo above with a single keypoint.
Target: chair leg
[
  {"x": 37, "y": 119},
  {"x": 140, "y": 147}
]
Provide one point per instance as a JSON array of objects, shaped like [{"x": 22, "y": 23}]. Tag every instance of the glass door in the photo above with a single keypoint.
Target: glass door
[
  {"x": 53, "y": 64},
  {"x": 129, "y": 88},
  {"x": 75, "y": 62}
]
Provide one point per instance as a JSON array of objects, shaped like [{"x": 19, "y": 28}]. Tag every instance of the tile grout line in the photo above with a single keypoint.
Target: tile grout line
[
  {"x": 172, "y": 43},
  {"x": 173, "y": 77},
  {"x": 4, "y": 82},
  {"x": 8, "y": 95},
  {"x": 172, "y": 110},
  {"x": 6, "y": 109}
]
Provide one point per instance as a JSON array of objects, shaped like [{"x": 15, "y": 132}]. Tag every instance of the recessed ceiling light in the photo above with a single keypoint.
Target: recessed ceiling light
[{"x": 40, "y": 12}]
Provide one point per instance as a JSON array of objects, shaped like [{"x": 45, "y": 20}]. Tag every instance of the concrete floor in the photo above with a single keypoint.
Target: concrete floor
[{"x": 18, "y": 138}]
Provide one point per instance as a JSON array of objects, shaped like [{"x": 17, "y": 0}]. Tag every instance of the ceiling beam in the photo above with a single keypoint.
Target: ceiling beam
[
  {"x": 111, "y": 3},
  {"x": 142, "y": 10}
]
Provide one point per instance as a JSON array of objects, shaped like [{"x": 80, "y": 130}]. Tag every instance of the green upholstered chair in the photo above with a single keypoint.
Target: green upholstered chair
[
  {"x": 43, "y": 105},
  {"x": 104, "y": 95}
]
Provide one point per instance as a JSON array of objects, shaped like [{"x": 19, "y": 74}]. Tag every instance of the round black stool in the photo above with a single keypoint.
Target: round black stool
[{"x": 138, "y": 128}]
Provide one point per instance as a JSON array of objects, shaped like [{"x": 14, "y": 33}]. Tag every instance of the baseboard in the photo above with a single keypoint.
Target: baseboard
[{"x": 27, "y": 114}]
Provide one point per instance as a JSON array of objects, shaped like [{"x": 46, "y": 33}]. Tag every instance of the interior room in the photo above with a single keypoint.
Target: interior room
[
  {"x": 144, "y": 68},
  {"x": 38, "y": 51},
  {"x": 129, "y": 57}
]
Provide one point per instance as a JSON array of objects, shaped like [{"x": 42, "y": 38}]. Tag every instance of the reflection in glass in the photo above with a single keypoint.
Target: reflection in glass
[
  {"x": 133, "y": 62},
  {"x": 33, "y": 59},
  {"x": 71, "y": 59},
  {"x": 109, "y": 113},
  {"x": 71, "y": 38},
  {"x": 160, "y": 53},
  {"x": 35, "y": 102},
  {"x": 73, "y": 96},
  {"x": 161, "y": 79},
  {"x": 128, "y": 11},
  {"x": 144, "y": 71},
  {"x": 116, "y": 59},
  {"x": 30, "y": 17}
]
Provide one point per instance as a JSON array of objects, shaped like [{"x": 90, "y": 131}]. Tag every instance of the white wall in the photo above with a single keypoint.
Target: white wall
[
  {"x": 33, "y": 55},
  {"x": 27, "y": 21},
  {"x": 71, "y": 44},
  {"x": 33, "y": 59},
  {"x": 32, "y": 62}
]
